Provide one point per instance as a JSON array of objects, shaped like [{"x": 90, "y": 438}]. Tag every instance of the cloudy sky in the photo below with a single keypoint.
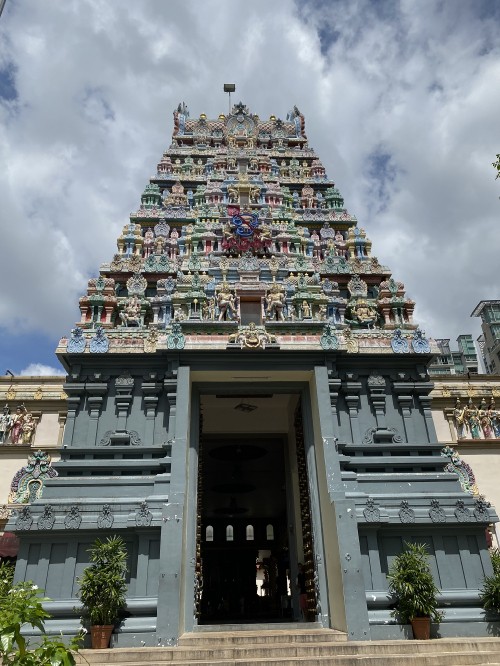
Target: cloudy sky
[{"x": 401, "y": 100}]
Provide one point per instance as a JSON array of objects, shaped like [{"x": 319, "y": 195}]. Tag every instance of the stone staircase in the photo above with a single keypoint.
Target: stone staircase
[{"x": 288, "y": 647}]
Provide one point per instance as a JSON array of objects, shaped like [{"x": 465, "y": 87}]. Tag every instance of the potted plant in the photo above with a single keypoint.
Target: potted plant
[
  {"x": 490, "y": 592},
  {"x": 411, "y": 583},
  {"x": 103, "y": 588}
]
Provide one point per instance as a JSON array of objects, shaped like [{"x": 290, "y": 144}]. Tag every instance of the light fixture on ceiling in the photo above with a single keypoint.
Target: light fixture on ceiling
[{"x": 245, "y": 407}]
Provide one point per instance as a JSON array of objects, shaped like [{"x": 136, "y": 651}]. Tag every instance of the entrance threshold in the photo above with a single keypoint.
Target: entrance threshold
[{"x": 268, "y": 626}]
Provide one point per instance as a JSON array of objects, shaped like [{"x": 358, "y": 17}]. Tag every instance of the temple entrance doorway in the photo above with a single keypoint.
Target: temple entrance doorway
[{"x": 251, "y": 530}]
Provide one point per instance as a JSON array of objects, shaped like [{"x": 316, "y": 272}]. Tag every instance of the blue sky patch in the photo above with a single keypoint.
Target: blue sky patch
[{"x": 8, "y": 90}]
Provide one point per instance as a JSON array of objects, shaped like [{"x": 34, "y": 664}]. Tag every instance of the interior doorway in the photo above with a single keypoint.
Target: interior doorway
[{"x": 248, "y": 509}]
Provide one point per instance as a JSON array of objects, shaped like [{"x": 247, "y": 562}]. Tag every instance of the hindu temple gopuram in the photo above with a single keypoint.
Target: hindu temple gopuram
[{"x": 247, "y": 391}]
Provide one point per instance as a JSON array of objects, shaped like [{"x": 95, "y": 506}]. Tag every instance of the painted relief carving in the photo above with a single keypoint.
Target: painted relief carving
[{"x": 27, "y": 484}]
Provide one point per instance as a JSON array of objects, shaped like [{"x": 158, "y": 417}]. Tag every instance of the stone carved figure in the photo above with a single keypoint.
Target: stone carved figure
[
  {"x": 275, "y": 303},
  {"x": 459, "y": 418},
  {"x": 364, "y": 314},
  {"x": 226, "y": 303},
  {"x": 485, "y": 420},
  {"x": 472, "y": 417},
  {"x": 5, "y": 420},
  {"x": 29, "y": 427},
  {"x": 252, "y": 337},
  {"x": 131, "y": 313},
  {"x": 495, "y": 418},
  {"x": 16, "y": 425}
]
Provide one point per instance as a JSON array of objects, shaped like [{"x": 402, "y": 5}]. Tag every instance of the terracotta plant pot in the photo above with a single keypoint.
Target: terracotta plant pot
[
  {"x": 421, "y": 628},
  {"x": 100, "y": 635}
]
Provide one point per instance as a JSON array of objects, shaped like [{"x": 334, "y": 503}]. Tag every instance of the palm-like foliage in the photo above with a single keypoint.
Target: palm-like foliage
[
  {"x": 411, "y": 582},
  {"x": 490, "y": 593},
  {"x": 102, "y": 585}
]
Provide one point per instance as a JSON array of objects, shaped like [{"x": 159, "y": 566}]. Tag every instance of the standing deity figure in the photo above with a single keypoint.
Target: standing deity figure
[
  {"x": 226, "y": 303},
  {"x": 149, "y": 242},
  {"x": 306, "y": 310},
  {"x": 459, "y": 417},
  {"x": 485, "y": 419},
  {"x": 29, "y": 426},
  {"x": 16, "y": 425},
  {"x": 160, "y": 243},
  {"x": 5, "y": 420},
  {"x": 275, "y": 303},
  {"x": 495, "y": 420},
  {"x": 472, "y": 417}
]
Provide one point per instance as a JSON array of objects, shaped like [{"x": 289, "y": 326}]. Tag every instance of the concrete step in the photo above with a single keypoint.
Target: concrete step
[
  {"x": 308, "y": 648},
  {"x": 274, "y": 636}
]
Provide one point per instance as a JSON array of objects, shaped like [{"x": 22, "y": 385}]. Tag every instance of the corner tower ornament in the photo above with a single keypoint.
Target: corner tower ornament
[{"x": 242, "y": 282}]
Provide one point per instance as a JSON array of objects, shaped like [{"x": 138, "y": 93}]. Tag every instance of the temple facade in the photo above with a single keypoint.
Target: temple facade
[{"x": 247, "y": 391}]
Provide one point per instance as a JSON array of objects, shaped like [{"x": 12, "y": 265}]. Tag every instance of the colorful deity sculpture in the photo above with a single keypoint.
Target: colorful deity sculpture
[
  {"x": 16, "y": 425},
  {"x": 485, "y": 420},
  {"x": 472, "y": 418},
  {"x": 275, "y": 303},
  {"x": 29, "y": 426},
  {"x": 131, "y": 314},
  {"x": 226, "y": 303},
  {"x": 5, "y": 420},
  {"x": 459, "y": 417}
]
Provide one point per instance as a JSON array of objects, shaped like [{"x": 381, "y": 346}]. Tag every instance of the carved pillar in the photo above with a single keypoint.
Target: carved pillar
[
  {"x": 450, "y": 417},
  {"x": 124, "y": 386},
  {"x": 351, "y": 393},
  {"x": 422, "y": 389},
  {"x": 61, "y": 419},
  {"x": 170, "y": 386},
  {"x": 150, "y": 390},
  {"x": 342, "y": 559},
  {"x": 74, "y": 393},
  {"x": 95, "y": 397},
  {"x": 404, "y": 395},
  {"x": 376, "y": 391},
  {"x": 173, "y": 567}
]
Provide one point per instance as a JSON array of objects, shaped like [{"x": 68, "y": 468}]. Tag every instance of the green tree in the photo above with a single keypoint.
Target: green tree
[{"x": 22, "y": 604}]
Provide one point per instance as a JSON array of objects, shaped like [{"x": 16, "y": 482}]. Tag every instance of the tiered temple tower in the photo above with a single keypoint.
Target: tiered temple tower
[{"x": 246, "y": 391}]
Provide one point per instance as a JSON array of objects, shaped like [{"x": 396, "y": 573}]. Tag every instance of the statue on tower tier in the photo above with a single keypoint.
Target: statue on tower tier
[
  {"x": 244, "y": 233},
  {"x": 16, "y": 425},
  {"x": 5, "y": 420},
  {"x": 131, "y": 314},
  {"x": 226, "y": 303},
  {"x": 275, "y": 303}
]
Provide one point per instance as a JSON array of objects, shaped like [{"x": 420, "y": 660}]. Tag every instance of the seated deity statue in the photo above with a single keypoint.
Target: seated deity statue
[
  {"x": 131, "y": 313},
  {"x": 363, "y": 315}
]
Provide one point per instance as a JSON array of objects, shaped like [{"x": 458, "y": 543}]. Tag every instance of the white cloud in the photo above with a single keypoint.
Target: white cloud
[
  {"x": 41, "y": 370},
  {"x": 97, "y": 83}
]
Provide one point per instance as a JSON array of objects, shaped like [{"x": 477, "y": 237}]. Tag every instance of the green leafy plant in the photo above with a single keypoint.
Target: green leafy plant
[
  {"x": 6, "y": 578},
  {"x": 490, "y": 592},
  {"x": 21, "y": 604},
  {"x": 102, "y": 585},
  {"x": 411, "y": 582}
]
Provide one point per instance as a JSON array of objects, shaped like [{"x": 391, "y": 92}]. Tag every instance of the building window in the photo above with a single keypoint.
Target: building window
[
  {"x": 229, "y": 533},
  {"x": 209, "y": 533},
  {"x": 270, "y": 533},
  {"x": 249, "y": 532}
]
